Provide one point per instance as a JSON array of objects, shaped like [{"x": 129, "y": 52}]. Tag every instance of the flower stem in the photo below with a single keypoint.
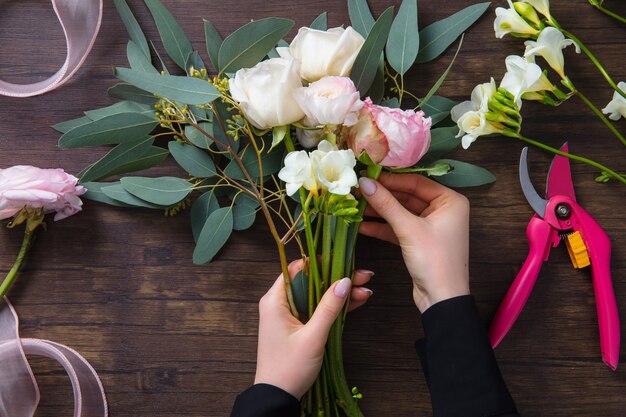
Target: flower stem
[
  {"x": 8, "y": 280},
  {"x": 600, "y": 115},
  {"x": 587, "y": 161},
  {"x": 610, "y": 13},
  {"x": 595, "y": 61}
]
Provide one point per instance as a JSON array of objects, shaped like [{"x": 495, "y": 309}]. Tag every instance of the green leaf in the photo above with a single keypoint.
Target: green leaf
[
  {"x": 441, "y": 79},
  {"x": 320, "y": 22},
  {"x": 443, "y": 140},
  {"x": 119, "y": 156},
  {"x": 464, "y": 174},
  {"x": 118, "y": 193},
  {"x": 360, "y": 16},
  {"x": 194, "y": 60},
  {"x": 114, "y": 129},
  {"x": 182, "y": 89},
  {"x": 213, "y": 42},
  {"x": 68, "y": 125},
  {"x": 274, "y": 52},
  {"x": 278, "y": 134},
  {"x": 95, "y": 193},
  {"x": 154, "y": 156},
  {"x": 163, "y": 66},
  {"x": 271, "y": 163},
  {"x": 197, "y": 137},
  {"x": 300, "y": 289},
  {"x": 195, "y": 161},
  {"x": 403, "y": 43},
  {"x": 249, "y": 44},
  {"x": 201, "y": 210},
  {"x": 438, "y": 169},
  {"x": 214, "y": 235},
  {"x": 436, "y": 37},
  {"x": 137, "y": 59},
  {"x": 174, "y": 39},
  {"x": 220, "y": 116},
  {"x": 437, "y": 105},
  {"x": 366, "y": 62},
  {"x": 244, "y": 213},
  {"x": 163, "y": 191},
  {"x": 132, "y": 93},
  {"x": 120, "y": 107},
  {"x": 133, "y": 28},
  {"x": 393, "y": 102},
  {"x": 377, "y": 89}
]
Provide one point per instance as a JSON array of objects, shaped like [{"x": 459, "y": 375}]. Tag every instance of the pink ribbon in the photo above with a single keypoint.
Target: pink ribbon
[
  {"x": 19, "y": 394},
  {"x": 80, "y": 20}
]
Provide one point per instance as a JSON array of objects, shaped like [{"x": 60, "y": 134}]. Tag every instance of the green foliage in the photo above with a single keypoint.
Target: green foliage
[
  {"x": 403, "y": 42},
  {"x": 201, "y": 210},
  {"x": 68, "y": 125},
  {"x": 137, "y": 59},
  {"x": 163, "y": 191},
  {"x": 118, "y": 157},
  {"x": 366, "y": 62},
  {"x": 116, "y": 192},
  {"x": 174, "y": 39},
  {"x": 109, "y": 130},
  {"x": 244, "y": 212},
  {"x": 271, "y": 163},
  {"x": 95, "y": 193},
  {"x": 194, "y": 60},
  {"x": 300, "y": 289},
  {"x": 320, "y": 22},
  {"x": 360, "y": 16},
  {"x": 249, "y": 44},
  {"x": 132, "y": 93},
  {"x": 214, "y": 234},
  {"x": 195, "y": 161},
  {"x": 213, "y": 42},
  {"x": 442, "y": 141},
  {"x": 436, "y": 37},
  {"x": 120, "y": 107},
  {"x": 153, "y": 156},
  {"x": 443, "y": 76},
  {"x": 198, "y": 138},
  {"x": 134, "y": 31},
  {"x": 438, "y": 108},
  {"x": 464, "y": 174}
]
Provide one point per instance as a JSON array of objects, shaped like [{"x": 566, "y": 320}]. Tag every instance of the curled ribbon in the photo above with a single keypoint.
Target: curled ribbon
[
  {"x": 19, "y": 394},
  {"x": 80, "y": 20}
]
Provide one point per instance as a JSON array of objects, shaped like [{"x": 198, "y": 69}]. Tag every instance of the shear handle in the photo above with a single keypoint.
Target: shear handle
[{"x": 540, "y": 235}]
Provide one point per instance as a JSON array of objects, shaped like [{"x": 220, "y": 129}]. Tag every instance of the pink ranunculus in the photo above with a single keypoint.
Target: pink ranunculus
[
  {"x": 391, "y": 137},
  {"x": 51, "y": 189}
]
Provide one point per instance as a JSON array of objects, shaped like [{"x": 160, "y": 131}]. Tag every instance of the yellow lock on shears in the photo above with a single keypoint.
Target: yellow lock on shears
[{"x": 577, "y": 250}]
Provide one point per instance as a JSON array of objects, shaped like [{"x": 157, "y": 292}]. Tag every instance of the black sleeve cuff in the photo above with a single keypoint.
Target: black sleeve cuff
[
  {"x": 264, "y": 400},
  {"x": 459, "y": 363}
]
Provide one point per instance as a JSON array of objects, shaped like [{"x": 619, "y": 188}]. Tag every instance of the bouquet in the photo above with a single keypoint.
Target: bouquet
[{"x": 282, "y": 129}]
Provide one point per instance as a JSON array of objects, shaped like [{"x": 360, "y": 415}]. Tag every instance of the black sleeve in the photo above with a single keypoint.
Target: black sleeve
[
  {"x": 264, "y": 400},
  {"x": 459, "y": 363}
]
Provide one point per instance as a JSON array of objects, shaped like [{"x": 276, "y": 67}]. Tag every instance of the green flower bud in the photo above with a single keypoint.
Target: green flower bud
[{"x": 528, "y": 13}]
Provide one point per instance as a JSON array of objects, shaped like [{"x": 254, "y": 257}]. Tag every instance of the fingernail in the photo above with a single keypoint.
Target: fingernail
[
  {"x": 365, "y": 271},
  {"x": 368, "y": 187},
  {"x": 366, "y": 290},
  {"x": 342, "y": 288}
]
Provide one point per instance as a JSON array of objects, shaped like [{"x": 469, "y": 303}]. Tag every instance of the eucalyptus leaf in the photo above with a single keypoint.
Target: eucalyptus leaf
[
  {"x": 132, "y": 26},
  {"x": 441, "y": 79},
  {"x": 366, "y": 62},
  {"x": 95, "y": 193},
  {"x": 195, "y": 161},
  {"x": 249, "y": 44},
  {"x": 443, "y": 140},
  {"x": 320, "y": 22},
  {"x": 438, "y": 169},
  {"x": 244, "y": 215},
  {"x": 198, "y": 138},
  {"x": 213, "y": 42},
  {"x": 120, "y": 107},
  {"x": 118, "y": 193},
  {"x": 464, "y": 174},
  {"x": 137, "y": 59},
  {"x": 278, "y": 134},
  {"x": 114, "y": 129},
  {"x": 271, "y": 163},
  {"x": 220, "y": 116},
  {"x": 68, "y": 125},
  {"x": 436, "y": 37},
  {"x": 194, "y": 60},
  {"x": 214, "y": 235},
  {"x": 377, "y": 89},
  {"x": 174, "y": 39},
  {"x": 300, "y": 289},
  {"x": 178, "y": 88},
  {"x": 163, "y": 66},
  {"x": 393, "y": 102},
  {"x": 153, "y": 156},
  {"x": 438, "y": 108},
  {"x": 403, "y": 42},
  {"x": 163, "y": 191},
  {"x": 274, "y": 52},
  {"x": 360, "y": 16},
  {"x": 132, "y": 93},
  {"x": 119, "y": 156},
  {"x": 201, "y": 210}
]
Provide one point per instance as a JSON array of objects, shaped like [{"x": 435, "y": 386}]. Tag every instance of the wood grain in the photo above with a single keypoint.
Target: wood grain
[{"x": 172, "y": 339}]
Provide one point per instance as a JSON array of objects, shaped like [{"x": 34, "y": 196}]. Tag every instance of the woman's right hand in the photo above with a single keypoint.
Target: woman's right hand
[{"x": 430, "y": 222}]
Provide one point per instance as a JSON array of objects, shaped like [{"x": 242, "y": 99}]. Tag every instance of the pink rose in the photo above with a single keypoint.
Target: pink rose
[
  {"x": 52, "y": 189},
  {"x": 391, "y": 137}
]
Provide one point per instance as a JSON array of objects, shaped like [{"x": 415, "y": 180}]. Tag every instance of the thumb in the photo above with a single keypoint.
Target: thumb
[
  {"x": 385, "y": 204},
  {"x": 329, "y": 308}
]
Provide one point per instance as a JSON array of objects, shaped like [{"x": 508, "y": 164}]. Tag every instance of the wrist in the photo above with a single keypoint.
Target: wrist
[{"x": 424, "y": 300}]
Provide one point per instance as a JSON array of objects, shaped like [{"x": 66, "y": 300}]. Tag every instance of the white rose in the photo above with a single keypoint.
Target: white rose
[
  {"x": 509, "y": 21},
  {"x": 334, "y": 169},
  {"x": 329, "y": 101},
  {"x": 550, "y": 45},
  {"x": 616, "y": 107},
  {"x": 298, "y": 172},
  {"x": 265, "y": 92},
  {"x": 523, "y": 77},
  {"x": 322, "y": 53}
]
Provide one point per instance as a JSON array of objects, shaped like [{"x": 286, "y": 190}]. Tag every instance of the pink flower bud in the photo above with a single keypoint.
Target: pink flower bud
[{"x": 391, "y": 137}]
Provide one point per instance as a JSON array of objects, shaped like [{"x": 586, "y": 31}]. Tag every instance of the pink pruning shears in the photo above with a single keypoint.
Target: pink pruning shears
[{"x": 558, "y": 218}]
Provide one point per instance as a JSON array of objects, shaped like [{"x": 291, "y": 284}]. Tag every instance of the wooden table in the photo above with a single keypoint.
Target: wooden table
[{"x": 172, "y": 339}]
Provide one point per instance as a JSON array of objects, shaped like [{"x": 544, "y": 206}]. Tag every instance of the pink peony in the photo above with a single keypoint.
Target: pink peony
[
  {"x": 51, "y": 189},
  {"x": 391, "y": 137}
]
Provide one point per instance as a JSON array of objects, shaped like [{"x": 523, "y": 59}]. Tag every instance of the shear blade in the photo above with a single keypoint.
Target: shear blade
[
  {"x": 559, "y": 180},
  {"x": 532, "y": 196}
]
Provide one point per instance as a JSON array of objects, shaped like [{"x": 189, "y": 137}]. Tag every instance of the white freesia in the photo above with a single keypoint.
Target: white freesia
[
  {"x": 616, "y": 108},
  {"x": 542, "y": 6},
  {"x": 522, "y": 77},
  {"x": 333, "y": 168},
  {"x": 470, "y": 115},
  {"x": 265, "y": 92},
  {"x": 298, "y": 172},
  {"x": 482, "y": 93},
  {"x": 322, "y": 53},
  {"x": 550, "y": 45},
  {"x": 509, "y": 21}
]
